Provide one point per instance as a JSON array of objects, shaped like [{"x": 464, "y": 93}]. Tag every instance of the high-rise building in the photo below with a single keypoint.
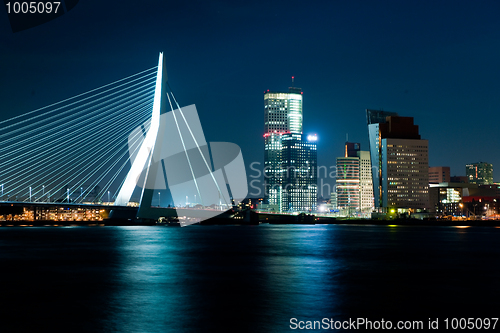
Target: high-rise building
[
  {"x": 480, "y": 173},
  {"x": 290, "y": 159},
  {"x": 299, "y": 178},
  {"x": 400, "y": 162},
  {"x": 439, "y": 175},
  {"x": 365, "y": 182},
  {"x": 354, "y": 179},
  {"x": 374, "y": 118},
  {"x": 348, "y": 183}
]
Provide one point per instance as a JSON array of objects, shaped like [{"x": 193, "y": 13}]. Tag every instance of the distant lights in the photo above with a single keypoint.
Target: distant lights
[{"x": 312, "y": 137}]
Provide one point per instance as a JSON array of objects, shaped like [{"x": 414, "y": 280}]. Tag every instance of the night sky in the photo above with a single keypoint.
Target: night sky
[{"x": 436, "y": 61}]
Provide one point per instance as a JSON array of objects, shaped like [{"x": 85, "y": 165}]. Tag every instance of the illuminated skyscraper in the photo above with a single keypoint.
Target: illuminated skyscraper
[
  {"x": 400, "y": 162},
  {"x": 283, "y": 112},
  {"x": 348, "y": 183},
  {"x": 354, "y": 190},
  {"x": 299, "y": 178},
  {"x": 365, "y": 182},
  {"x": 290, "y": 179}
]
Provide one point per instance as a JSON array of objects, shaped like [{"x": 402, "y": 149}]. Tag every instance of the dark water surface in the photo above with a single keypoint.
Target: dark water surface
[{"x": 242, "y": 279}]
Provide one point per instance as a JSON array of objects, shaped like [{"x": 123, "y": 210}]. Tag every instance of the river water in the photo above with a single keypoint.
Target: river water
[{"x": 242, "y": 278}]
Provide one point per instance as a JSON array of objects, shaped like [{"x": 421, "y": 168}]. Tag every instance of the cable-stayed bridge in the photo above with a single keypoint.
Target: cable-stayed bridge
[{"x": 127, "y": 143}]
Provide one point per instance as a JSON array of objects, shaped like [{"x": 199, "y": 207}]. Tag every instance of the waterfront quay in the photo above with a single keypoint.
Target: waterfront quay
[{"x": 54, "y": 213}]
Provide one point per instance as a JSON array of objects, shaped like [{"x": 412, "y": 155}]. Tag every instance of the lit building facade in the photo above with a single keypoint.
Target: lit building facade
[
  {"x": 354, "y": 174},
  {"x": 365, "y": 182},
  {"x": 347, "y": 186},
  {"x": 400, "y": 162},
  {"x": 290, "y": 160},
  {"x": 480, "y": 173},
  {"x": 299, "y": 174},
  {"x": 447, "y": 198},
  {"x": 405, "y": 173},
  {"x": 333, "y": 200}
]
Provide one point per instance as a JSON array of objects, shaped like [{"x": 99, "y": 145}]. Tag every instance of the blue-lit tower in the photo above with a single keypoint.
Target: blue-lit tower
[{"x": 290, "y": 159}]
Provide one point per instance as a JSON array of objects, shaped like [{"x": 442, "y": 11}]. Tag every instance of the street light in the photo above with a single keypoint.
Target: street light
[
  {"x": 30, "y": 193},
  {"x": 159, "y": 199},
  {"x": 109, "y": 200},
  {"x": 43, "y": 192}
]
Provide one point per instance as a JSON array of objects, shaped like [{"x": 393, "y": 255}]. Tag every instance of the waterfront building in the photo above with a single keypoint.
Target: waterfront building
[
  {"x": 465, "y": 199},
  {"x": 400, "y": 162},
  {"x": 290, "y": 158},
  {"x": 354, "y": 188},
  {"x": 347, "y": 186},
  {"x": 480, "y": 173},
  {"x": 446, "y": 198},
  {"x": 299, "y": 173},
  {"x": 374, "y": 118},
  {"x": 366, "y": 201}
]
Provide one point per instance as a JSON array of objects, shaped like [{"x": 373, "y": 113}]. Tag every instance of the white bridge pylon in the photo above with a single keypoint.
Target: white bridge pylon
[
  {"x": 143, "y": 157},
  {"x": 174, "y": 155}
]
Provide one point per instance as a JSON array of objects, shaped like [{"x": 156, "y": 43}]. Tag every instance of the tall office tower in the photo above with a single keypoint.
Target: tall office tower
[
  {"x": 346, "y": 185},
  {"x": 290, "y": 161},
  {"x": 374, "y": 118},
  {"x": 439, "y": 175},
  {"x": 299, "y": 176},
  {"x": 480, "y": 173},
  {"x": 365, "y": 182},
  {"x": 403, "y": 175}
]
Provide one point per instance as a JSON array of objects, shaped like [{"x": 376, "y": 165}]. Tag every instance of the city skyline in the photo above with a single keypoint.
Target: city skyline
[
  {"x": 123, "y": 121},
  {"x": 413, "y": 59}
]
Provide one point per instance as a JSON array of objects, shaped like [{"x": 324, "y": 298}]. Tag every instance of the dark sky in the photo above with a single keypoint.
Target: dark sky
[{"x": 438, "y": 61}]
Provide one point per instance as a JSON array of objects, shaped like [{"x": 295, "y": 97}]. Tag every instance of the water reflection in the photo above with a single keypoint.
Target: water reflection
[{"x": 208, "y": 278}]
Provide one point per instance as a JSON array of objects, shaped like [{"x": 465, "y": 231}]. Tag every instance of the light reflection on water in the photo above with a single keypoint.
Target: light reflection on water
[{"x": 204, "y": 278}]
